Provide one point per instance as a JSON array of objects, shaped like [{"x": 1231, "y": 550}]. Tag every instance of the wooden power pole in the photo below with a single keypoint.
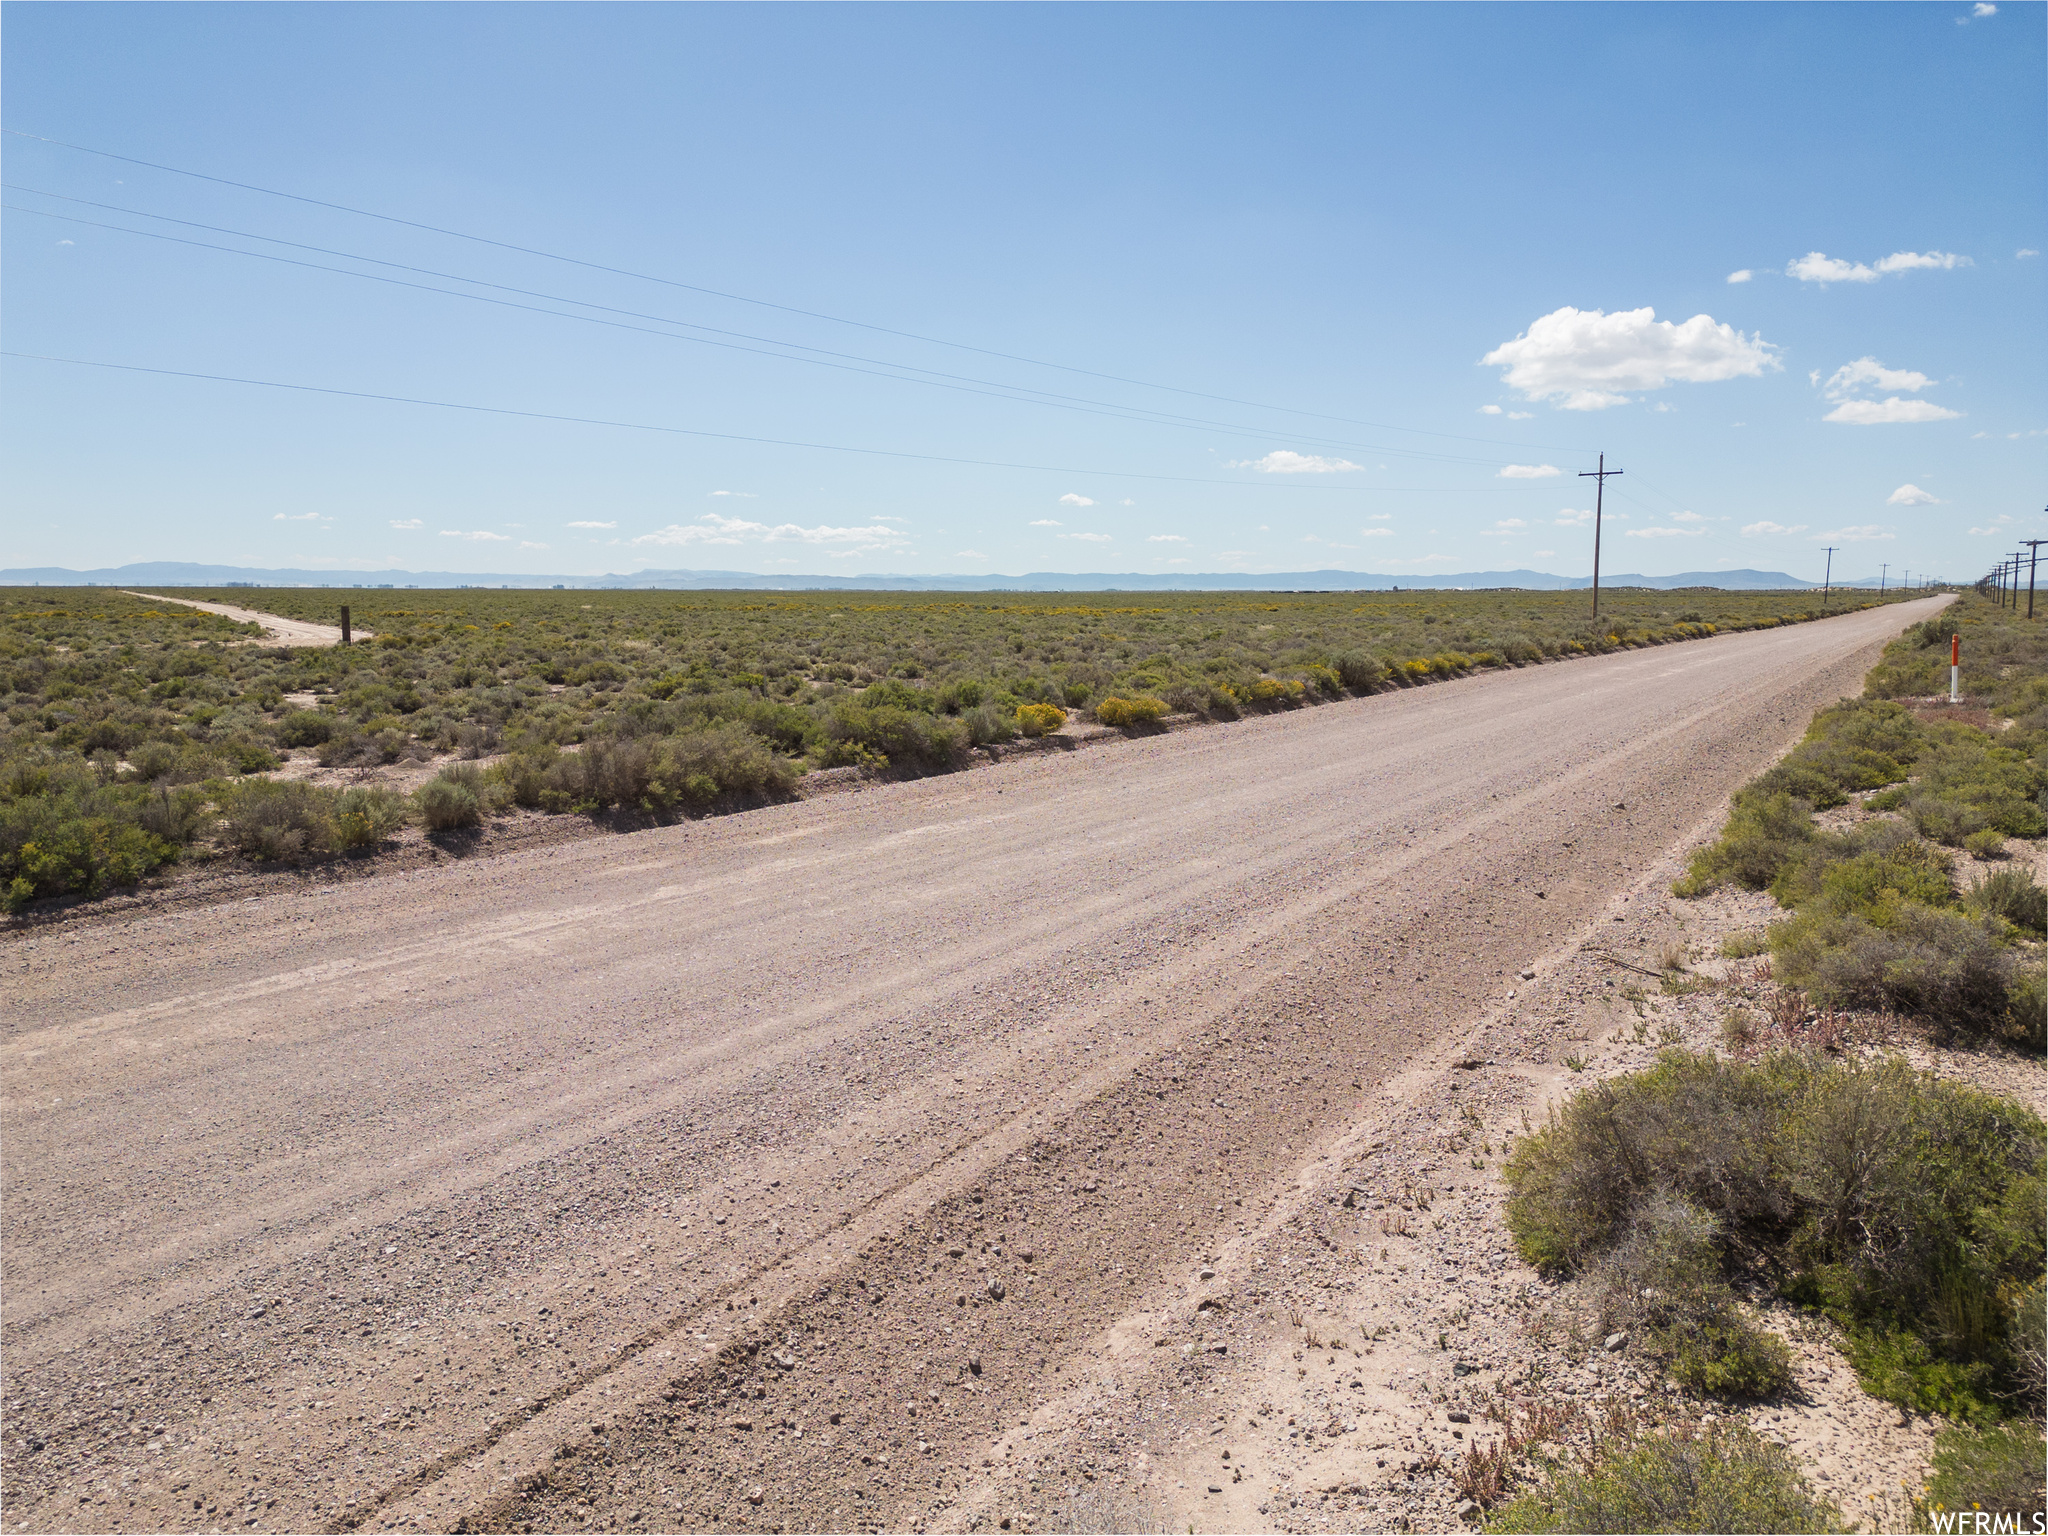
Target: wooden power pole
[
  {"x": 1599, "y": 479},
  {"x": 2033, "y": 560}
]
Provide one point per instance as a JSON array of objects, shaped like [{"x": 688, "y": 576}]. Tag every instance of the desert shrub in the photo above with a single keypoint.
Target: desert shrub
[
  {"x": 59, "y": 848},
  {"x": 1997, "y": 1470},
  {"x": 1040, "y": 719},
  {"x": 525, "y": 774},
  {"x": 1869, "y": 871},
  {"x": 1359, "y": 671},
  {"x": 1744, "y": 943},
  {"x": 698, "y": 766},
  {"x": 2015, "y": 896},
  {"x": 606, "y": 772},
  {"x": 445, "y": 804},
  {"x": 268, "y": 819},
  {"x": 1276, "y": 691},
  {"x": 1991, "y": 786},
  {"x": 1763, "y": 835},
  {"x": 1939, "y": 964},
  {"x": 1902, "y": 1206},
  {"x": 899, "y": 736},
  {"x": 1122, "y": 712},
  {"x": 364, "y": 815},
  {"x": 304, "y": 728},
  {"x": 1728, "y": 1479},
  {"x": 986, "y": 723}
]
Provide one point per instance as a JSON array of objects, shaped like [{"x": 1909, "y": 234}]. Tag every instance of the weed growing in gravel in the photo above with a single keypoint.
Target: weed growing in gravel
[
  {"x": 1726, "y": 1479},
  {"x": 1997, "y": 1470},
  {"x": 1907, "y": 1209}
]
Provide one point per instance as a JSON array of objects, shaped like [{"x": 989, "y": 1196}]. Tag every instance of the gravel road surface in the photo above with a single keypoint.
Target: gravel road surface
[
  {"x": 280, "y": 631},
  {"x": 763, "y": 1172}
]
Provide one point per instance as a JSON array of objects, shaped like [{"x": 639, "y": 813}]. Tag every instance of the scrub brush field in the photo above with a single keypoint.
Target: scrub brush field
[{"x": 138, "y": 731}]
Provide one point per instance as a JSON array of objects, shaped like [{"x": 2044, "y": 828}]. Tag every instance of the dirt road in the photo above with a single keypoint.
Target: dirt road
[
  {"x": 764, "y": 1172},
  {"x": 280, "y": 631}
]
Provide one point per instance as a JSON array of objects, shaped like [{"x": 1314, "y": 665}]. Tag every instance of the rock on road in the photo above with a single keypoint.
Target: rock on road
[{"x": 670, "y": 1177}]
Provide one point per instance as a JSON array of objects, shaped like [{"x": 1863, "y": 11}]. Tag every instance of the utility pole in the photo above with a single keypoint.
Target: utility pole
[
  {"x": 1827, "y": 579},
  {"x": 1599, "y": 479},
  {"x": 1882, "y": 568},
  {"x": 2033, "y": 559}
]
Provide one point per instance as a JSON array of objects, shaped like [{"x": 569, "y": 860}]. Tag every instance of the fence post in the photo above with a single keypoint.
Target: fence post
[{"x": 344, "y": 624}]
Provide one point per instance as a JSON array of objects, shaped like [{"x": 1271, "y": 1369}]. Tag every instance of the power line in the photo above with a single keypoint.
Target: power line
[
  {"x": 790, "y": 309},
  {"x": 1599, "y": 478},
  {"x": 730, "y": 437},
  {"x": 881, "y": 368}
]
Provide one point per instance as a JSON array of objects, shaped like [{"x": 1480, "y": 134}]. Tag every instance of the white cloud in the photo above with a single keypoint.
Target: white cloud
[
  {"x": 1933, "y": 261},
  {"x": 1073, "y": 500},
  {"x": 1284, "y": 461},
  {"x": 1862, "y": 534},
  {"x": 1164, "y": 538},
  {"x": 481, "y": 533},
  {"x": 408, "y": 523},
  {"x": 592, "y": 525},
  {"x": 1869, "y": 373},
  {"x": 1664, "y": 533},
  {"x": 1999, "y": 524},
  {"x": 1089, "y": 538},
  {"x": 529, "y": 544},
  {"x": 969, "y": 554},
  {"x": 1691, "y": 517},
  {"x": 1375, "y": 533},
  {"x": 1127, "y": 502},
  {"x": 1753, "y": 530},
  {"x": 1489, "y": 410},
  {"x": 1528, "y": 472},
  {"x": 2024, "y": 252},
  {"x": 1873, "y": 413},
  {"x": 1587, "y": 360},
  {"x": 1047, "y": 522},
  {"x": 1814, "y": 267},
  {"x": 1507, "y": 527},
  {"x": 743, "y": 495},
  {"x": 1568, "y": 518},
  {"x": 1379, "y": 517},
  {"x": 295, "y": 517},
  {"x": 1545, "y": 554},
  {"x": 1910, "y": 495},
  {"x": 711, "y": 528},
  {"x": 1742, "y": 276},
  {"x": 1983, "y": 8},
  {"x": 1663, "y": 405},
  {"x": 67, "y": 242},
  {"x": 1512, "y": 416}
]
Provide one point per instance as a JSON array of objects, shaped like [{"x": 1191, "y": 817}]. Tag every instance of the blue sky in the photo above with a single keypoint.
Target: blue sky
[{"x": 1361, "y": 278}]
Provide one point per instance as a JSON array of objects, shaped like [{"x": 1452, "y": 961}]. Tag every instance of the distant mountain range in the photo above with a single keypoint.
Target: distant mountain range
[{"x": 173, "y": 573}]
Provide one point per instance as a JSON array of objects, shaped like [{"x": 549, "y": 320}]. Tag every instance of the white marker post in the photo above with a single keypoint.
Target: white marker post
[{"x": 1955, "y": 669}]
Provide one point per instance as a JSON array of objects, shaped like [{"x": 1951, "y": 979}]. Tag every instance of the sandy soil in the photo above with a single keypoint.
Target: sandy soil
[
  {"x": 836, "y": 1165},
  {"x": 281, "y": 631}
]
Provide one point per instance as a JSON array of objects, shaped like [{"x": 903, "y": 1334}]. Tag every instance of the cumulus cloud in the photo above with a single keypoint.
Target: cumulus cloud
[
  {"x": 1868, "y": 373},
  {"x": 2024, "y": 252},
  {"x": 1861, "y": 534},
  {"x": 1877, "y": 413},
  {"x": 593, "y": 525},
  {"x": 1754, "y": 530},
  {"x": 1072, "y": 499},
  {"x": 1528, "y": 472},
  {"x": 1375, "y": 533},
  {"x": 295, "y": 517},
  {"x": 712, "y": 528},
  {"x": 1489, "y": 410},
  {"x": 1742, "y": 276},
  {"x": 1664, "y": 533},
  {"x": 408, "y": 524},
  {"x": 1164, "y": 538},
  {"x": 1089, "y": 538},
  {"x": 481, "y": 533},
  {"x": 1284, "y": 461},
  {"x": 1852, "y": 382},
  {"x": 1910, "y": 495},
  {"x": 1587, "y": 360},
  {"x": 1815, "y": 267},
  {"x": 1047, "y": 522}
]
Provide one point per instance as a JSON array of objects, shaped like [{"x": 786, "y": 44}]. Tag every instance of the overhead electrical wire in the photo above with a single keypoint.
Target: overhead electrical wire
[
  {"x": 731, "y": 437},
  {"x": 791, "y": 309},
  {"x": 841, "y": 361}
]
